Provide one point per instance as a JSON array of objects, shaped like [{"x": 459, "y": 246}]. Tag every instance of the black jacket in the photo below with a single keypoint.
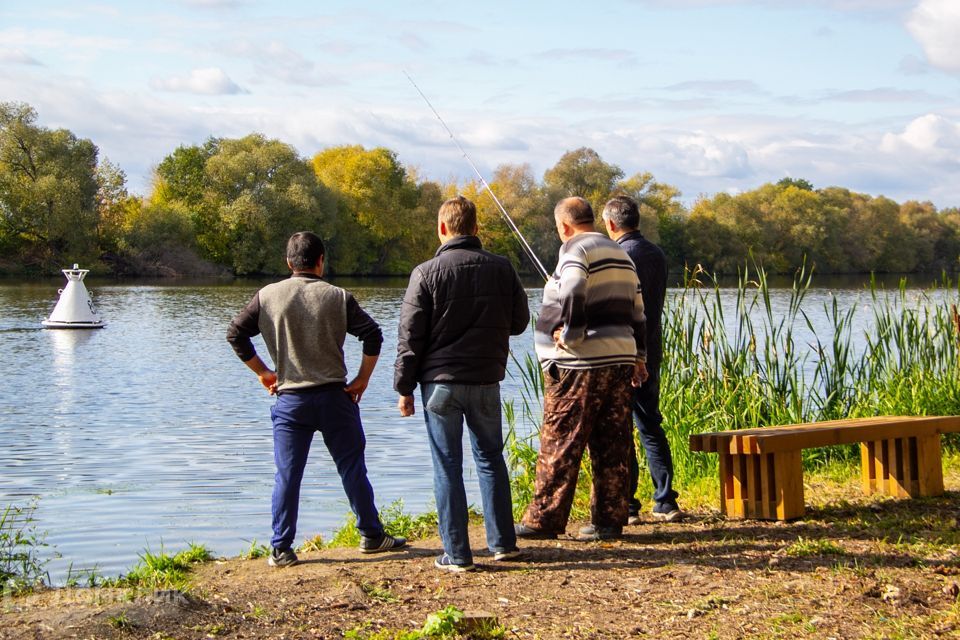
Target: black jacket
[
  {"x": 651, "y": 267},
  {"x": 458, "y": 314}
]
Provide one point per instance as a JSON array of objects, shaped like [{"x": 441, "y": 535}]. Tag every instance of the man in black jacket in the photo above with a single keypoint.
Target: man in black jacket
[
  {"x": 459, "y": 311},
  {"x": 621, "y": 217}
]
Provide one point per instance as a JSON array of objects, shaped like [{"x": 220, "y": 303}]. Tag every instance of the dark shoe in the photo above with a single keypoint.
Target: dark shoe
[
  {"x": 446, "y": 563},
  {"x": 529, "y": 533},
  {"x": 285, "y": 558},
  {"x": 385, "y": 542},
  {"x": 667, "y": 512},
  {"x": 593, "y": 532},
  {"x": 513, "y": 554}
]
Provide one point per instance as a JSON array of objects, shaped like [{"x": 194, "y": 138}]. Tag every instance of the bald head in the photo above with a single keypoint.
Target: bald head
[{"x": 575, "y": 211}]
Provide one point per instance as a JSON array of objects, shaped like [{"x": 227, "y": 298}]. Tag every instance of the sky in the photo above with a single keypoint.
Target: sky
[{"x": 708, "y": 95}]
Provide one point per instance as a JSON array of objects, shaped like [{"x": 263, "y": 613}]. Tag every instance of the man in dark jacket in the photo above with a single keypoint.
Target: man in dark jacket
[
  {"x": 459, "y": 311},
  {"x": 304, "y": 322},
  {"x": 621, "y": 217}
]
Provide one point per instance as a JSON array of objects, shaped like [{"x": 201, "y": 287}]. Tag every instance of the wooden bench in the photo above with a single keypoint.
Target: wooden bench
[{"x": 761, "y": 474}]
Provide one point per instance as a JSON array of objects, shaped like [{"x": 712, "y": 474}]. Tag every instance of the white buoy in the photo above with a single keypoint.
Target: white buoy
[{"x": 74, "y": 309}]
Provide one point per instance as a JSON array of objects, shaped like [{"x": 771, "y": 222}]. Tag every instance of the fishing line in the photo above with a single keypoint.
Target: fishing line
[{"x": 506, "y": 216}]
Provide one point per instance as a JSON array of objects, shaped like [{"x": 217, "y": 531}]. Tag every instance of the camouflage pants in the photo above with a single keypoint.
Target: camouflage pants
[{"x": 583, "y": 408}]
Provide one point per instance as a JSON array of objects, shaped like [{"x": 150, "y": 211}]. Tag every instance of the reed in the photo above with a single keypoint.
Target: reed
[{"x": 738, "y": 357}]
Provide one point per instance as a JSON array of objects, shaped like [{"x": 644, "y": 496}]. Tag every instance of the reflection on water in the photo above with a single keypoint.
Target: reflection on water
[{"x": 151, "y": 433}]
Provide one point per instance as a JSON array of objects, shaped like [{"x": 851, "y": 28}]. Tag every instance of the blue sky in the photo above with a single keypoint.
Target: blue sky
[{"x": 708, "y": 95}]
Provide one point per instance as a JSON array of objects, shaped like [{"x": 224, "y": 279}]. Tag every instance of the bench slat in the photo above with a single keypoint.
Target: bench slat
[{"x": 822, "y": 434}]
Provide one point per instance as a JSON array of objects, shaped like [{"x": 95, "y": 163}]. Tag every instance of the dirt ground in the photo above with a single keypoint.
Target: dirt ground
[{"x": 852, "y": 568}]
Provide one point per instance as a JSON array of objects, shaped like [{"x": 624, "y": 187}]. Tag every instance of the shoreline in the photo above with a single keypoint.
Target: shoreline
[{"x": 853, "y": 566}]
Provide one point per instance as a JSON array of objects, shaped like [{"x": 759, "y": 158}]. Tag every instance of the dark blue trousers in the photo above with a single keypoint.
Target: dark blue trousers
[
  {"x": 296, "y": 416},
  {"x": 646, "y": 412}
]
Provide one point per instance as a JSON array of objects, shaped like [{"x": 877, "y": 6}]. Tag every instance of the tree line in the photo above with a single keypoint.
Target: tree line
[{"x": 227, "y": 206}]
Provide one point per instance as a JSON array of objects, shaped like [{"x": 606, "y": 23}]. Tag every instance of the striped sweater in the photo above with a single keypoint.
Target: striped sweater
[{"x": 594, "y": 294}]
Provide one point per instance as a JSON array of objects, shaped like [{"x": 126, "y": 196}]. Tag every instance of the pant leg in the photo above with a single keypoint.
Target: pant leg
[
  {"x": 609, "y": 445},
  {"x": 563, "y": 437},
  {"x": 339, "y": 423},
  {"x": 646, "y": 409},
  {"x": 484, "y": 420},
  {"x": 292, "y": 435},
  {"x": 443, "y": 414},
  {"x": 633, "y": 502}
]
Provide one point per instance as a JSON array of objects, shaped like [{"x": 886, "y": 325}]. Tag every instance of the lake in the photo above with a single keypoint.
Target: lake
[{"x": 150, "y": 433}]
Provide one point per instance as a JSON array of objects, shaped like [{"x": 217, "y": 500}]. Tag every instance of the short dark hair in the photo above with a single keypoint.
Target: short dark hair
[
  {"x": 623, "y": 212},
  {"x": 575, "y": 210},
  {"x": 304, "y": 250},
  {"x": 460, "y": 216}
]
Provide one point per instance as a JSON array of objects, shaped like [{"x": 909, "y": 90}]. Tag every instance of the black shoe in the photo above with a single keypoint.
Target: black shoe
[
  {"x": 285, "y": 558},
  {"x": 593, "y": 532},
  {"x": 667, "y": 512},
  {"x": 385, "y": 542},
  {"x": 529, "y": 533}
]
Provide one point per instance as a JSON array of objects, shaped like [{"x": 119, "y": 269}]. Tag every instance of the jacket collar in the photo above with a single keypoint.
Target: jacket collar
[
  {"x": 308, "y": 276},
  {"x": 630, "y": 235},
  {"x": 460, "y": 242}
]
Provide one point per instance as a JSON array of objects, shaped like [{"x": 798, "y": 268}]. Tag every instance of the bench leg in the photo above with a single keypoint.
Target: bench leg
[
  {"x": 902, "y": 467},
  {"x": 766, "y": 486}
]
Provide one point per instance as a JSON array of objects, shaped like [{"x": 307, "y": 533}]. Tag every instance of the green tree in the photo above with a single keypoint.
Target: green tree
[
  {"x": 260, "y": 192},
  {"x": 48, "y": 189},
  {"x": 582, "y": 173},
  {"x": 380, "y": 217}
]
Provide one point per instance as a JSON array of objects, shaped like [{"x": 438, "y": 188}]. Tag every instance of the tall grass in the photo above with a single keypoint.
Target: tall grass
[
  {"x": 22, "y": 567},
  {"x": 734, "y": 358}
]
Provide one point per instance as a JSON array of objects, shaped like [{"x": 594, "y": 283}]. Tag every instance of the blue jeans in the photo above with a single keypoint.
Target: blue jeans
[
  {"x": 646, "y": 410},
  {"x": 296, "y": 416},
  {"x": 445, "y": 406}
]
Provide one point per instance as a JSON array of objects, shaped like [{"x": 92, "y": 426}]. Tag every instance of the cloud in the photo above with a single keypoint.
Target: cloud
[
  {"x": 278, "y": 61},
  {"x": 935, "y": 24},
  {"x": 716, "y": 86},
  {"x": 18, "y": 56},
  {"x": 911, "y": 65},
  {"x": 885, "y": 95},
  {"x": 605, "y": 55},
  {"x": 930, "y": 137},
  {"x": 211, "y": 81},
  {"x": 413, "y": 42}
]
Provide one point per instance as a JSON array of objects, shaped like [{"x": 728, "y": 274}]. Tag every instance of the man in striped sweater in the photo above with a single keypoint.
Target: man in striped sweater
[{"x": 590, "y": 340}]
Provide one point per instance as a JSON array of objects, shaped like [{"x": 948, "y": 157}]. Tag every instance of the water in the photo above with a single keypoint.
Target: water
[{"x": 150, "y": 433}]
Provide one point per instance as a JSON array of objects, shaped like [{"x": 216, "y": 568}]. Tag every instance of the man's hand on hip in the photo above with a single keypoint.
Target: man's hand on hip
[
  {"x": 405, "y": 404},
  {"x": 356, "y": 387},
  {"x": 640, "y": 374}
]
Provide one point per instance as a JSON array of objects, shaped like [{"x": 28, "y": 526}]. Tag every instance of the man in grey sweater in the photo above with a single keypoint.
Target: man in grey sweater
[{"x": 304, "y": 322}]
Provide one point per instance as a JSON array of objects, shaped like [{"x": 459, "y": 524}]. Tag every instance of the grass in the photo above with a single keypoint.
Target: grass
[
  {"x": 396, "y": 522},
  {"x": 22, "y": 567},
  {"x": 163, "y": 570},
  {"x": 255, "y": 551},
  {"x": 448, "y": 623},
  {"x": 804, "y": 548}
]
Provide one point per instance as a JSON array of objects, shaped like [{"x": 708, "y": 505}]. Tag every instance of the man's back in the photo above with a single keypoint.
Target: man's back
[
  {"x": 304, "y": 322},
  {"x": 459, "y": 311},
  {"x": 593, "y": 296},
  {"x": 651, "y": 264}
]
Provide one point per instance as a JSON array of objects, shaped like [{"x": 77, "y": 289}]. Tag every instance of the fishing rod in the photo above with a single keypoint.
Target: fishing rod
[{"x": 506, "y": 216}]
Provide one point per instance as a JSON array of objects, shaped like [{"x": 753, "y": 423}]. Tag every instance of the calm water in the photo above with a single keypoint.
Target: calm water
[{"x": 152, "y": 433}]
